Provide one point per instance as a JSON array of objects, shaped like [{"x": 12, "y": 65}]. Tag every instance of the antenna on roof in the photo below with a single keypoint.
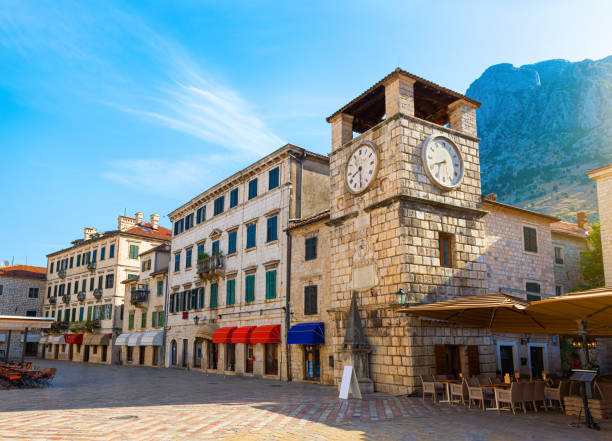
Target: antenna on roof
[{"x": 124, "y": 211}]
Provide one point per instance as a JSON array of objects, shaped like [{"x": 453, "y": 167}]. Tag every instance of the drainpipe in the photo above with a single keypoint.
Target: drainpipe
[
  {"x": 23, "y": 349},
  {"x": 166, "y": 315}
]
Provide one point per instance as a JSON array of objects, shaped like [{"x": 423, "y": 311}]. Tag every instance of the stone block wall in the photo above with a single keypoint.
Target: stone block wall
[
  {"x": 603, "y": 177},
  {"x": 569, "y": 273}
]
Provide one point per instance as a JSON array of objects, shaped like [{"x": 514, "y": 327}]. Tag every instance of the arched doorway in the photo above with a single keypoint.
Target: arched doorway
[{"x": 173, "y": 353}]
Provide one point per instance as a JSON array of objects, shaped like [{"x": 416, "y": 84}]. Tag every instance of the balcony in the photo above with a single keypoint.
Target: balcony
[
  {"x": 211, "y": 267},
  {"x": 62, "y": 274},
  {"x": 81, "y": 296},
  {"x": 91, "y": 266},
  {"x": 140, "y": 295},
  {"x": 98, "y": 293},
  {"x": 66, "y": 298},
  {"x": 52, "y": 300},
  {"x": 88, "y": 325}
]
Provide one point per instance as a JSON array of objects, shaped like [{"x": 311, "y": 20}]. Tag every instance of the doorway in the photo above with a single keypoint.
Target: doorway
[
  {"x": 141, "y": 354},
  {"x": 213, "y": 356},
  {"x": 86, "y": 353},
  {"x": 173, "y": 353},
  {"x": 312, "y": 365},
  {"x": 271, "y": 359},
  {"x": 250, "y": 356},
  {"x": 156, "y": 355},
  {"x": 70, "y": 352},
  {"x": 185, "y": 359},
  {"x": 537, "y": 361},
  {"x": 197, "y": 353},
  {"x": 230, "y": 356},
  {"x": 506, "y": 359},
  {"x": 103, "y": 350},
  {"x": 56, "y": 354}
]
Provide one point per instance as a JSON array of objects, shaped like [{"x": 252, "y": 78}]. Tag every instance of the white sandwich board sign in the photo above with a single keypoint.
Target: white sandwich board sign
[{"x": 349, "y": 384}]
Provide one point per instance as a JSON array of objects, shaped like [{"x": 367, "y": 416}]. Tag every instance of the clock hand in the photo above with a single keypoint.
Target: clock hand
[{"x": 358, "y": 171}]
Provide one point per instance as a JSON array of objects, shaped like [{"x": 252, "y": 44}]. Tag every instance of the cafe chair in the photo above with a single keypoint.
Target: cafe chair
[
  {"x": 538, "y": 395},
  {"x": 459, "y": 392},
  {"x": 476, "y": 393},
  {"x": 431, "y": 387},
  {"x": 513, "y": 396}
]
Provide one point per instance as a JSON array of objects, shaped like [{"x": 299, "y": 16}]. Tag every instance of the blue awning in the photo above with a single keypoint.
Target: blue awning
[{"x": 307, "y": 334}]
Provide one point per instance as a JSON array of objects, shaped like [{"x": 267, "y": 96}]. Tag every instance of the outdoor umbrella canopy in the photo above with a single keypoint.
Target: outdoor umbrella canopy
[{"x": 507, "y": 314}]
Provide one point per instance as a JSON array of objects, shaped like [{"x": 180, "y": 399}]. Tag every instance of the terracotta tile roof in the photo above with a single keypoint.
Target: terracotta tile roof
[
  {"x": 146, "y": 230},
  {"x": 160, "y": 271},
  {"x": 519, "y": 209},
  {"x": 131, "y": 279},
  {"x": 309, "y": 220},
  {"x": 568, "y": 229},
  {"x": 24, "y": 272}
]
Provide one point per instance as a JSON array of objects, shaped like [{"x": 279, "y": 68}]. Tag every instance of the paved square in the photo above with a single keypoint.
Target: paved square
[{"x": 92, "y": 402}]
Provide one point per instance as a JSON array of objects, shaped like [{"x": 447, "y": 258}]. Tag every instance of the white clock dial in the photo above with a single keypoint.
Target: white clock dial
[
  {"x": 442, "y": 161},
  {"x": 362, "y": 167}
]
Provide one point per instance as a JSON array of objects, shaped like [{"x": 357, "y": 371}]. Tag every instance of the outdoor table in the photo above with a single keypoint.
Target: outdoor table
[{"x": 447, "y": 382}]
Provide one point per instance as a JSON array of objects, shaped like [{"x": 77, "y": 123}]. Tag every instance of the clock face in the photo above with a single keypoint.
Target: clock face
[
  {"x": 362, "y": 167},
  {"x": 442, "y": 162}
]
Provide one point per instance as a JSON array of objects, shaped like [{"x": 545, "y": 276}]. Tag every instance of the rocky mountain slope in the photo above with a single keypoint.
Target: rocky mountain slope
[{"x": 542, "y": 127}]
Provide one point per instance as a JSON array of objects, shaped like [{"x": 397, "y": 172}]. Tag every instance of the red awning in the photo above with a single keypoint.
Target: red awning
[
  {"x": 243, "y": 335},
  {"x": 266, "y": 334},
  {"x": 223, "y": 335},
  {"x": 73, "y": 339}
]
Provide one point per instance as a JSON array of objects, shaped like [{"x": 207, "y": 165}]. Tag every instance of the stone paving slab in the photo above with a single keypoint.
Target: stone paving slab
[{"x": 92, "y": 402}]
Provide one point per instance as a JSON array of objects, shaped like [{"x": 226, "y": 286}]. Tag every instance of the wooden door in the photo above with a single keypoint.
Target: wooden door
[
  {"x": 271, "y": 359},
  {"x": 250, "y": 356}
]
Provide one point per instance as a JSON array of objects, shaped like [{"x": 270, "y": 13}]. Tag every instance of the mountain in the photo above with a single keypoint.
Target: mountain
[{"x": 542, "y": 126}]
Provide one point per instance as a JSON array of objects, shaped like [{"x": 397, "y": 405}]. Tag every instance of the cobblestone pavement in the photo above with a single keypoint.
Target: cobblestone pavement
[{"x": 92, "y": 402}]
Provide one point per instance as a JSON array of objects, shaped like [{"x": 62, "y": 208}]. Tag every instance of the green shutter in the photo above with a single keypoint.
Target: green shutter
[
  {"x": 250, "y": 288},
  {"x": 59, "y": 315},
  {"x": 160, "y": 321},
  {"x": 271, "y": 284},
  {"x": 230, "y": 292},
  {"x": 89, "y": 309},
  {"x": 214, "y": 288},
  {"x": 131, "y": 321},
  {"x": 144, "y": 320}
]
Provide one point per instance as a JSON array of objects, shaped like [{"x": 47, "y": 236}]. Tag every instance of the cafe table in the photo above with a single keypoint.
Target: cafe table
[{"x": 447, "y": 382}]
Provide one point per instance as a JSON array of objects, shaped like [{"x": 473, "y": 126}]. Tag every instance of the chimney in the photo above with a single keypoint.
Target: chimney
[
  {"x": 88, "y": 232},
  {"x": 491, "y": 197},
  {"x": 154, "y": 221},
  {"x": 583, "y": 220},
  {"x": 138, "y": 217}
]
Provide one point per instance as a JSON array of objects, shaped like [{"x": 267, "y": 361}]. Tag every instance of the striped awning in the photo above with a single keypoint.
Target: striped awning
[
  {"x": 96, "y": 339},
  {"x": 134, "y": 338},
  {"x": 56, "y": 340},
  {"x": 152, "y": 338},
  {"x": 223, "y": 335},
  {"x": 243, "y": 334},
  {"x": 121, "y": 340}
]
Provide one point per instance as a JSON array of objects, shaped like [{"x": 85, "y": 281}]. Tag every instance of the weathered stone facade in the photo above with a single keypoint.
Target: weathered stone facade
[
  {"x": 267, "y": 194},
  {"x": 569, "y": 242},
  {"x": 603, "y": 177},
  {"x": 21, "y": 293},
  {"x": 83, "y": 291}
]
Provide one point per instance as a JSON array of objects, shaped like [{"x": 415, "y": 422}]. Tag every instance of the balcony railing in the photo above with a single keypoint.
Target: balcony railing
[
  {"x": 62, "y": 273},
  {"x": 97, "y": 293},
  {"x": 140, "y": 295},
  {"x": 91, "y": 266},
  {"x": 84, "y": 325},
  {"x": 53, "y": 300},
  {"x": 211, "y": 266},
  {"x": 66, "y": 298},
  {"x": 81, "y": 296}
]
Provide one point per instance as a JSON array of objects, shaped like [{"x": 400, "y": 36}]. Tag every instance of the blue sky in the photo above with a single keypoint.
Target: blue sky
[{"x": 139, "y": 106}]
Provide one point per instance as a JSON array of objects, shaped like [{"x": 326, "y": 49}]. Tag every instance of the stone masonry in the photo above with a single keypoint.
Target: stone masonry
[{"x": 603, "y": 177}]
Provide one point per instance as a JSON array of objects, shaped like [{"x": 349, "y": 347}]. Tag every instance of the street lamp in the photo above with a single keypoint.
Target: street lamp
[
  {"x": 401, "y": 296},
  {"x": 196, "y": 319}
]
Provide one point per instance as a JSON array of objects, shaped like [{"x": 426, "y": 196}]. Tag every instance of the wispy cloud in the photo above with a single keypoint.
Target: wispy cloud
[{"x": 116, "y": 59}]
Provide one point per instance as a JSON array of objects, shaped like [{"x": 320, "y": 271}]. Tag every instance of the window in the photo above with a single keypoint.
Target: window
[
  {"x": 558, "y": 256},
  {"x": 78, "y": 260},
  {"x": 59, "y": 315},
  {"x": 201, "y": 214},
  {"x": 55, "y": 291},
  {"x": 48, "y": 291},
  {"x": 214, "y": 291},
  {"x": 110, "y": 280},
  {"x": 171, "y": 303},
  {"x": 153, "y": 319},
  {"x": 249, "y": 288},
  {"x": 201, "y": 297},
  {"x": 102, "y": 254},
  {"x": 72, "y": 260},
  {"x": 559, "y": 290},
  {"x": 30, "y": 313},
  {"x": 89, "y": 312},
  {"x": 133, "y": 251},
  {"x": 143, "y": 266},
  {"x": 193, "y": 299},
  {"x": 33, "y": 292},
  {"x": 310, "y": 251},
  {"x": 445, "y": 244},
  {"x": 251, "y": 239},
  {"x": 111, "y": 252},
  {"x": 230, "y": 292},
  {"x": 68, "y": 288},
  {"x": 531, "y": 239},
  {"x": 143, "y": 321},
  {"x": 218, "y": 208},
  {"x": 200, "y": 251},
  {"x": 73, "y": 314},
  {"x": 310, "y": 300},
  {"x": 95, "y": 255},
  {"x": 188, "y": 258},
  {"x": 234, "y": 198},
  {"x": 534, "y": 289},
  {"x": 160, "y": 318},
  {"x": 130, "y": 321},
  {"x": 51, "y": 268},
  {"x": 179, "y": 226},
  {"x": 91, "y": 284},
  {"x": 272, "y": 230},
  {"x": 271, "y": 284},
  {"x": 273, "y": 178},
  {"x": 160, "y": 287},
  {"x": 231, "y": 242},
  {"x": 188, "y": 221},
  {"x": 177, "y": 262},
  {"x": 215, "y": 247},
  {"x": 100, "y": 279},
  {"x": 84, "y": 285},
  {"x": 81, "y": 312},
  {"x": 253, "y": 188}
]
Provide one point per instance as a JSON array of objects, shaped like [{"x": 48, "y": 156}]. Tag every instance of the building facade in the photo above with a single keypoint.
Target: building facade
[
  {"x": 83, "y": 292},
  {"x": 21, "y": 291},
  {"x": 603, "y": 178},
  {"x": 228, "y": 265},
  {"x": 569, "y": 242},
  {"x": 142, "y": 339}
]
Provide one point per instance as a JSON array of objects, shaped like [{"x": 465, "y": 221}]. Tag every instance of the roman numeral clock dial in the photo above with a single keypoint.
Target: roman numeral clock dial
[
  {"x": 362, "y": 167},
  {"x": 442, "y": 162}
]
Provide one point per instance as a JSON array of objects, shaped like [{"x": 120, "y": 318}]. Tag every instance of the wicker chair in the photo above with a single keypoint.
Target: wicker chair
[
  {"x": 459, "y": 392},
  {"x": 512, "y": 396},
  {"x": 528, "y": 393},
  {"x": 476, "y": 393},
  {"x": 431, "y": 387},
  {"x": 538, "y": 395},
  {"x": 557, "y": 394}
]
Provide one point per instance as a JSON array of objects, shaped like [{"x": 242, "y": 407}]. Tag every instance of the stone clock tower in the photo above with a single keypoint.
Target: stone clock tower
[{"x": 405, "y": 214}]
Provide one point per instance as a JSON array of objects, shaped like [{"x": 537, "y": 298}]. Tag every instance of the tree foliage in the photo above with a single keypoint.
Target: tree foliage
[{"x": 591, "y": 260}]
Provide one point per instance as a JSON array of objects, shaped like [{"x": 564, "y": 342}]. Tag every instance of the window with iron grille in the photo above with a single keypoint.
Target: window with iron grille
[{"x": 310, "y": 300}]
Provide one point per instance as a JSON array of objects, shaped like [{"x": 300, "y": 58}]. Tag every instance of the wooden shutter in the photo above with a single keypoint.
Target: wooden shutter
[
  {"x": 473, "y": 360},
  {"x": 440, "y": 359}
]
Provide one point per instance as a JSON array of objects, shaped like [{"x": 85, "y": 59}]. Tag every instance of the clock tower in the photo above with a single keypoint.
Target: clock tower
[{"x": 406, "y": 214}]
